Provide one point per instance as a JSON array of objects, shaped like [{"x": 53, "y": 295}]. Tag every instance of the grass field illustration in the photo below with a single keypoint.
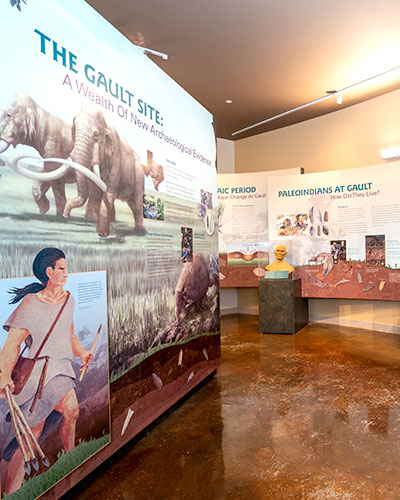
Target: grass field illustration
[{"x": 139, "y": 308}]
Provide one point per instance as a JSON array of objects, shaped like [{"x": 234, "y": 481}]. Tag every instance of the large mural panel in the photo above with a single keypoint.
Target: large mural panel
[{"x": 128, "y": 188}]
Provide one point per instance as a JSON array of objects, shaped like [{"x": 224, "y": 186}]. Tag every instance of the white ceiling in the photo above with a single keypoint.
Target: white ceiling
[{"x": 268, "y": 56}]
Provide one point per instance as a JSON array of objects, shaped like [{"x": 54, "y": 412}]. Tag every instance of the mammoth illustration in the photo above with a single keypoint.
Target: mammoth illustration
[
  {"x": 25, "y": 122},
  {"x": 99, "y": 147}
]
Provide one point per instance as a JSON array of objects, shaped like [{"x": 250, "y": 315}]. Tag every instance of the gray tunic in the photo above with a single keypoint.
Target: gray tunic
[{"x": 36, "y": 316}]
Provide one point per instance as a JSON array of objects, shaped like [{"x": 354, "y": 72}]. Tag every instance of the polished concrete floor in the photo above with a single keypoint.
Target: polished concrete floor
[{"x": 315, "y": 416}]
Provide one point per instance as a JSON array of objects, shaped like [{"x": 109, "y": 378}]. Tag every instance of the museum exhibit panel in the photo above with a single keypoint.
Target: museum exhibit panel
[
  {"x": 109, "y": 166},
  {"x": 243, "y": 226},
  {"x": 119, "y": 240},
  {"x": 344, "y": 231},
  {"x": 341, "y": 228}
]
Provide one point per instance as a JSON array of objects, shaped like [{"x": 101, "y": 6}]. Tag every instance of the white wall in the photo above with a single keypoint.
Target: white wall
[
  {"x": 225, "y": 156},
  {"x": 226, "y": 165}
]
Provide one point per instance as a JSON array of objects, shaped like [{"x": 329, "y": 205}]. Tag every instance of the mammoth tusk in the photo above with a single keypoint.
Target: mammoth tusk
[
  {"x": 96, "y": 170},
  {"x": 85, "y": 171},
  {"x": 13, "y": 162},
  {"x": 55, "y": 174},
  {"x": 4, "y": 146}
]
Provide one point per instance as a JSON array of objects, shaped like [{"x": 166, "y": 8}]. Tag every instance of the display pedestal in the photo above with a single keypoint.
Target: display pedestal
[{"x": 281, "y": 307}]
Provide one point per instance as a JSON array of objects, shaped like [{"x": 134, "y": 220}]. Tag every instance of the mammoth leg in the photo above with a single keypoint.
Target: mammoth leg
[
  {"x": 94, "y": 202},
  {"x": 111, "y": 204},
  {"x": 103, "y": 221},
  {"x": 112, "y": 212},
  {"x": 39, "y": 190},
  {"x": 59, "y": 195},
  {"x": 76, "y": 202},
  {"x": 136, "y": 203},
  {"x": 91, "y": 211},
  {"x": 103, "y": 226},
  {"x": 138, "y": 216}
]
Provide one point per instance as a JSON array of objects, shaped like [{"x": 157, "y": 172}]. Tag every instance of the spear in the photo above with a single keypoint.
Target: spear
[
  {"x": 84, "y": 368},
  {"x": 27, "y": 465},
  {"x": 43, "y": 457},
  {"x": 33, "y": 460}
]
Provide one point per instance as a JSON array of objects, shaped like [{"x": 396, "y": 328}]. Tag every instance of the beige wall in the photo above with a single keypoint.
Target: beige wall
[
  {"x": 225, "y": 156},
  {"x": 350, "y": 137},
  {"x": 226, "y": 165}
]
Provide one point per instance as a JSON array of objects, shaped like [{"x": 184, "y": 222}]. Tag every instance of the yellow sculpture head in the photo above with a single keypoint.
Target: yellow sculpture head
[{"x": 280, "y": 252}]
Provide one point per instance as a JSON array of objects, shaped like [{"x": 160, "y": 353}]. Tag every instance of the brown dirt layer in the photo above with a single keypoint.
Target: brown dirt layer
[
  {"x": 238, "y": 276},
  {"x": 139, "y": 382},
  {"x": 350, "y": 280}
]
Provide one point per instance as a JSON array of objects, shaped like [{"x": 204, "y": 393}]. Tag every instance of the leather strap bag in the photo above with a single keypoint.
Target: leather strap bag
[{"x": 24, "y": 366}]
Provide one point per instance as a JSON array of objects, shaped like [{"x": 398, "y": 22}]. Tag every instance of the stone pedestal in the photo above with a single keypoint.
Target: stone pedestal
[{"x": 281, "y": 307}]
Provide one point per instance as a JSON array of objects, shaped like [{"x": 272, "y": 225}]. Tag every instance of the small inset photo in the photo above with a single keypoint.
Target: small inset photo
[
  {"x": 375, "y": 251},
  {"x": 186, "y": 244},
  {"x": 206, "y": 198},
  {"x": 291, "y": 224},
  {"x": 205, "y": 203},
  {"x": 201, "y": 211},
  {"x": 338, "y": 250},
  {"x": 153, "y": 207}
]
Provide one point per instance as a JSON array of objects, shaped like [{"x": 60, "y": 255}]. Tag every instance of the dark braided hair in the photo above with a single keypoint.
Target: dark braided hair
[{"x": 44, "y": 259}]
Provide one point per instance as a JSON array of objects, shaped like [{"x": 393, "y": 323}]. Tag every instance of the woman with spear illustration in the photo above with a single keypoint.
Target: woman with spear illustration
[{"x": 44, "y": 322}]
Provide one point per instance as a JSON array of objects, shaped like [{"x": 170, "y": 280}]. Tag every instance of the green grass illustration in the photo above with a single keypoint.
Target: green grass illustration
[
  {"x": 139, "y": 306},
  {"x": 66, "y": 462}
]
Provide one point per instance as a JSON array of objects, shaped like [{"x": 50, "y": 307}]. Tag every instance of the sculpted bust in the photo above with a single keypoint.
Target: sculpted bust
[{"x": 279, "y": 263}]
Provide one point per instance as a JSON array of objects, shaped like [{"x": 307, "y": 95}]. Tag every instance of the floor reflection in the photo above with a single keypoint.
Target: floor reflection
[
  {"x": 314, "y": 416},
  {"x": 323, "y": 416}
]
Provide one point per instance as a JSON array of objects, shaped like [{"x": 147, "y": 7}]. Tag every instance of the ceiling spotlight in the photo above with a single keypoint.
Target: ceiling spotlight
[
  {"x": 153, "y": 52},
  {"x": 229, "y": 101},
  {"x": 390, "y": 153}
]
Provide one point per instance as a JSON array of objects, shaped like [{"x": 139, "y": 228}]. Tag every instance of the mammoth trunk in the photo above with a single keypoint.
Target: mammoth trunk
[
  {"x": 86, "y": 154},
  {"x": 82, "y": 154}
]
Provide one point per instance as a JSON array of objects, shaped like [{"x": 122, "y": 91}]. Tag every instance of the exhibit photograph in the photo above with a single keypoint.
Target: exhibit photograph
[{"x": 199, "y": 250}]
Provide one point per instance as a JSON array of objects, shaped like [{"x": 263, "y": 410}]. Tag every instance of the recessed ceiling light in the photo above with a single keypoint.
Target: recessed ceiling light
[{"x": 229, "y": 101}]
